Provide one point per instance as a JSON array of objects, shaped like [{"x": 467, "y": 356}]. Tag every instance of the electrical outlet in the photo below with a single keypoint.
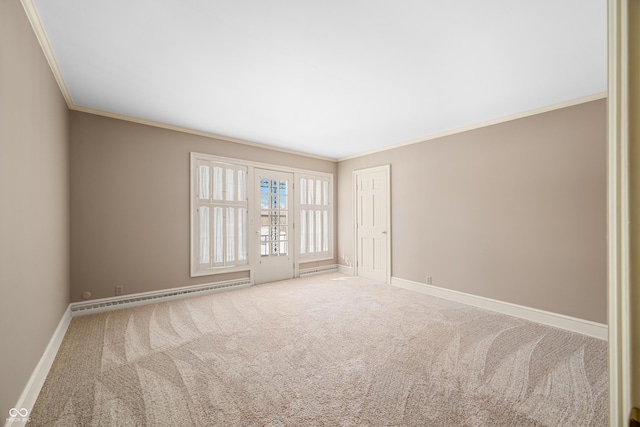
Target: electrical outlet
[
  {"x": 118, "y": 290},
  {"x": 429, "y": 280}
]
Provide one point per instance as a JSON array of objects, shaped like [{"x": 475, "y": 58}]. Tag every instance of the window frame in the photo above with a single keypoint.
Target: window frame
[
  {"x": 197, "y": 203},
  {"x": 250, "y": 237},
  {"x": 325, "y": 182}
]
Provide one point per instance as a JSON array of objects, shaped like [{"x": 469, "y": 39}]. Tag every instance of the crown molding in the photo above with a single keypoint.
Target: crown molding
[
  {"x": 540, "y": 110},
  {"x": 41, "y": 35},
  {"x": 36, "y": 24},
  {"x": 195, "y": 132},
  {"x": 34, "y": 18}
]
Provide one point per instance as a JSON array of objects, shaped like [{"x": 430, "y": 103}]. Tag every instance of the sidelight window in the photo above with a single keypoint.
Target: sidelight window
[
  {"x": 315, "y": 216},
  {"x": 220, "y": 209}
]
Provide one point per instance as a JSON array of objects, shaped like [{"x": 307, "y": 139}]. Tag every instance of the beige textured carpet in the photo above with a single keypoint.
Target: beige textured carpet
[{"x": 324, "y": 350}]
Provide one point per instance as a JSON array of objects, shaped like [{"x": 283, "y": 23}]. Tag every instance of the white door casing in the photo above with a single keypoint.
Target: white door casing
[
  {"x": 274, "y": 249},
  {"x": 372, "y": 223}
]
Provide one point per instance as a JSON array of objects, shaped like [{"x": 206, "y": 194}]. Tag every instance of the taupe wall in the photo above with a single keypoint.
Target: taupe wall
[
  {"x": 34, "y": 213},
  {"x": 514, "y": 212},
  {"x": 130, "y": 203}
]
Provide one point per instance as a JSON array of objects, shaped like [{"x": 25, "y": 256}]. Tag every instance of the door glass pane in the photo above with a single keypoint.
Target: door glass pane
[
  {"x": 217, "y": 183},
  {"x": 217, "y": 235},
  {"x": 264, "y": 241},
  {"x": 205, "y": 243},
  {"x": 230, "y": 185},
  {"x": 283, "y": 237},
  {"x": 283, "y": 218},
  {"x": 274, "y": 203},
  {"x": 274, "y": 234},
  {"x": 204, "y": 182}
]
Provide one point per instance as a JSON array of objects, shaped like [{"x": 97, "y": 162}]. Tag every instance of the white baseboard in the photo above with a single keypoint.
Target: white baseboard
[
  {"x": 573, "y": 324},
  {"x": 36, "y": 381},
  {"x": 344, "y": 269}
]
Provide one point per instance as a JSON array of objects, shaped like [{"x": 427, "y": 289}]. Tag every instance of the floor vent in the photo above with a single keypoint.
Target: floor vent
[
  {"x": 318, "y": 270},
  {"x": 117, "y": 303}
]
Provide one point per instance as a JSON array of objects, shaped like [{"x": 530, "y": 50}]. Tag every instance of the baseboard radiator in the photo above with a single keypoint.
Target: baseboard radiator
[
  {"x": 117, "y": 303},
  {"x": 318, "y": 270}
]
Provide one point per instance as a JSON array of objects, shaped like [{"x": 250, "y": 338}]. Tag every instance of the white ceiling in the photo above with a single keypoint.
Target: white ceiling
[{"x": 332, "y": 78}]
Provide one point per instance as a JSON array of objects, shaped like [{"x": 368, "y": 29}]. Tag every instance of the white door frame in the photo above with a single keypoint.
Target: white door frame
[
  {"x": 284, "y": 262},
  {"x": 354, "y": 179},
  {"x": 620, "y": 285}
]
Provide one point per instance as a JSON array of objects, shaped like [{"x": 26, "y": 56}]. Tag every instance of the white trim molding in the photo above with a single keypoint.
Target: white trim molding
[
  {"x": 345, "y": 269},
  {"x": 34, "y": 18},
  {"x": 620, "y": 286},
  {"x": 39, "y": 375},
  {"x": 36, "y": 381},
  {"x": 573, "y": 324},
  {"x": 38, "y": 28},
  {"x": 504, "y": 119}
]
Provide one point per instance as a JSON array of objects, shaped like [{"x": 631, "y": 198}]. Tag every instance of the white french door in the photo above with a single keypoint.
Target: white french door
[
  {"x": 372, "y": 223},
  {"x": 275, "y": 248}
]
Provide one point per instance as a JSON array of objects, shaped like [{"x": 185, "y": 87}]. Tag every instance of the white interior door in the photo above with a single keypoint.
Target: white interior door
[
  {"x": 275, "y": 248},
  {"x": 372, "y": 223}
]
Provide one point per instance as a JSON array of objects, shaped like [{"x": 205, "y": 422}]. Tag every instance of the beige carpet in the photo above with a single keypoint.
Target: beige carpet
[{"x": 325, "y": 350}]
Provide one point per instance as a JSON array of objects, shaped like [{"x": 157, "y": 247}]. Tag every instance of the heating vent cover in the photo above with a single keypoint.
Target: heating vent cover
[
  {"x": 318, "y": 270},
  {"x": 109, "y": 304}
]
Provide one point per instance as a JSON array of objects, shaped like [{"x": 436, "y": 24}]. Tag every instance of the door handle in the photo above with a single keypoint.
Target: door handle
[{"x": 384, "y": 232}]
